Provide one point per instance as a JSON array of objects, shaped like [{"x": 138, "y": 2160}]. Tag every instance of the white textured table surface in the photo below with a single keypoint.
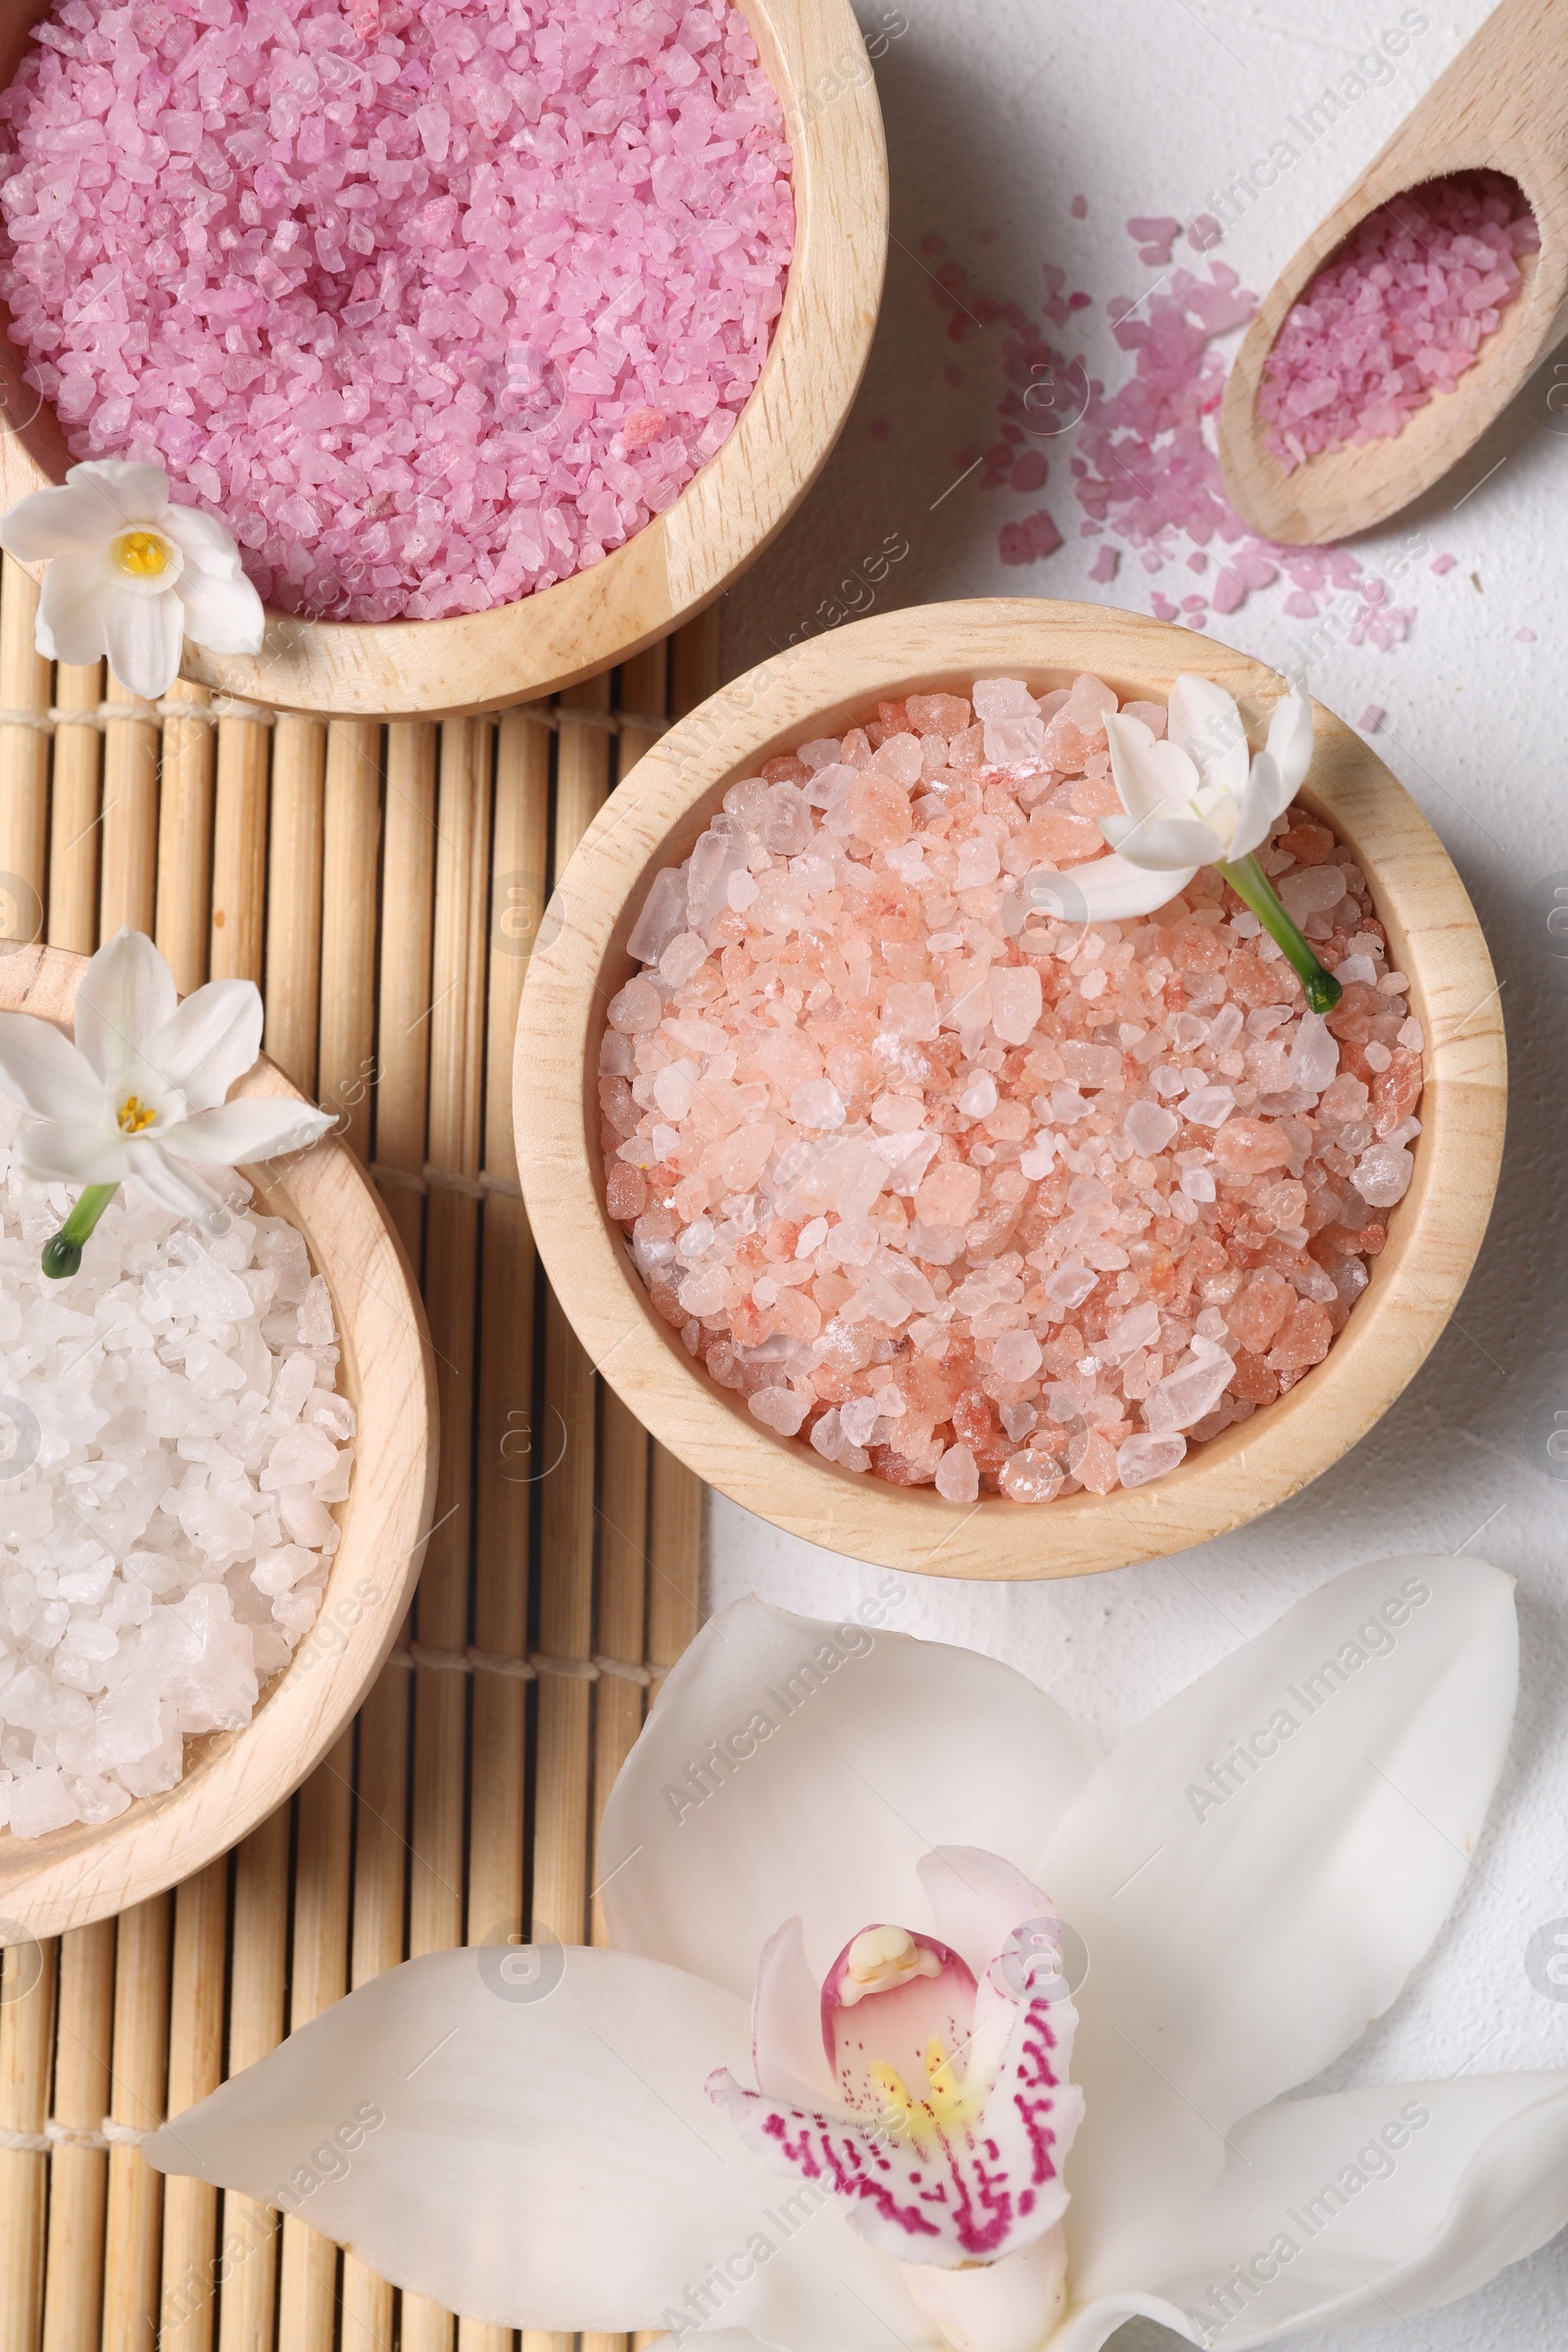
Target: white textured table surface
[{"x": 998, "y": 113}]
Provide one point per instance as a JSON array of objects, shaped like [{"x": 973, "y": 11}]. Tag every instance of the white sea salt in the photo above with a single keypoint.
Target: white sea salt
[{"x": 173, "y": 1446}]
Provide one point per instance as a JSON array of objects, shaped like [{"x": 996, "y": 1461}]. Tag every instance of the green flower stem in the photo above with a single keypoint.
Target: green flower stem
[
  {"x": 1255, "y": 889},
  {"x": 63, "y": 1256}
]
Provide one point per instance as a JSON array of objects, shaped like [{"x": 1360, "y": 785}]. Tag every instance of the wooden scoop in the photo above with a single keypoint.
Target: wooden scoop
[{"x": 1503, "y": 105}]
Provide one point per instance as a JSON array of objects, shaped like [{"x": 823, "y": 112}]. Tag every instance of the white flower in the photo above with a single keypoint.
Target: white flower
[
  {"x": 530, "y": 2136},
  {"x": 130, "y": 575},
  {"x": 143, "y": 1087},
  {"x": 1193, "y": 799}
]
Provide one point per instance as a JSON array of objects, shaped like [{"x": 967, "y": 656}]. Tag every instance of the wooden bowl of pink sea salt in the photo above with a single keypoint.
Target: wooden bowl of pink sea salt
[
  {"x": 500, "y": 335},
  {"x": 944, "y": 1228}
]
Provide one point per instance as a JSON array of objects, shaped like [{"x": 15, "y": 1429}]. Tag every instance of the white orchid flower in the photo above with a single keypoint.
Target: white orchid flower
[
  {"x": 817, "y": 2097},
  {"x": 131, "y": 576},
  {"x": 141, "y": 1094}
]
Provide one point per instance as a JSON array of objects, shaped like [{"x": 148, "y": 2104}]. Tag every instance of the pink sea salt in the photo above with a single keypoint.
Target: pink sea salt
[
  {"x": 961, "y": 1194},
  {"x": 1399, "y": 313},
  {"x": 434, "y": 304}
]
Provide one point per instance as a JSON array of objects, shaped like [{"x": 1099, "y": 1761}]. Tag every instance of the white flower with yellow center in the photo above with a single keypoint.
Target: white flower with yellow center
[
  {"x": 139, "y": 1098},
  {"x": 985, "y": 2132},
  {"x": 131, "y": 576}
]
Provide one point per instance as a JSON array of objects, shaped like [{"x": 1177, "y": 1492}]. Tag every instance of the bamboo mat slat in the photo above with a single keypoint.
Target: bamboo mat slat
[{"x": 383, "y": 885}]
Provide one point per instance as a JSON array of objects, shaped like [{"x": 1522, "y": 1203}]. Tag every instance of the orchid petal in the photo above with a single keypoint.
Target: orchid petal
[
  {"x": 1163, "y": 845},
  {"x": 225, "y": 615},
  {"x": 833, "y": 1758},
  {"x": 142, "y": 637},
  {"x": 1244, "y": 1919},
  {"x": 125, "y": 996},
  {"x": 536, "y": 2150},
  {"x": 1155, "y": 778},
  {"x": 41, "y": 1067},
  {"x": 1289, "y": 742},
  {"x": 75, "y": 518},
  {"x": 139, "y": 491},
  {"x": 977, "y": 1900},
  {"x": 1113, "y": 890},
  {"x": 1093, "y": 2324},
  {"x": 70, "y": 622},
  {"x": 163, "y": 1179},
  {"x": 1265, "y": 799},
  {"x": 75, "y": 1151},
  {"x": 1369, "y": 2204},
  {"x": 212, "y": 1039},
  {"x": 789, "y": 2060},
  {"x": 1204, "y": 721},
  {"x": 254, "y": 1128}
]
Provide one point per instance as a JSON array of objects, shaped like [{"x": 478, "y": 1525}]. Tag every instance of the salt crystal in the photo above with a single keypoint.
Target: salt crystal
[
  {"x": 1010, "y": 717},
  {"x": 1210, "y": 1106},
  {"x": 779, "y": 1409},
  {"x": 1142, "y": 1457},
  {"x": 1383, "y": 1175},
  {"x": 1148, "y": 1127},
  {"x": 1314, "y": 1054},
  {"x": 957, "y": 1480}
]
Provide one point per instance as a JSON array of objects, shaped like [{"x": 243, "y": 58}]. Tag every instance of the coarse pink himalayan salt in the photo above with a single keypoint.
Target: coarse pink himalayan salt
[
  {"x": 1144, "y": 463},
  {"x": 960, "y": 1195},
  {"x": 1399, "y": 313},
  {"x": 434, "y": 304}
]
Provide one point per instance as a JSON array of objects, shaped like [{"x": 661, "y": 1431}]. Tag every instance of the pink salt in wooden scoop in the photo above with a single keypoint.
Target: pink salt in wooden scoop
[{"x": 1500, "y": 107}]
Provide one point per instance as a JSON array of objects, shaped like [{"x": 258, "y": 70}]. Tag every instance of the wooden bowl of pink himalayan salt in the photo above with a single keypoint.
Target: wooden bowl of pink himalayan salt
[
  {"x": 231, "y": 1780},
  {"x": 813, "y": 55},
  {"x": 1421, "y": 932}
]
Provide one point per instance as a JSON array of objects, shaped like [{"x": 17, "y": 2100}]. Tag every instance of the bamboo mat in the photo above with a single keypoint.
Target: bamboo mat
[{"x": 383, "y": 886}]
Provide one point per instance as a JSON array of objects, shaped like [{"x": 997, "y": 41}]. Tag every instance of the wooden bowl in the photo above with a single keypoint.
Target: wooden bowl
[
  {"x": 233, "y": 1780},
  {"x": 652, "y": 819},
  {"x": 815, "y": 55}
]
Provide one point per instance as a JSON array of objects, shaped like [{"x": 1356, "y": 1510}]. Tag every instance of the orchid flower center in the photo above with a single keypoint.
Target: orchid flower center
[
  {"x": 898, "y": 2010},
  {"x": 135, "y": 1116},
  {"x": 142, "y": 555}
]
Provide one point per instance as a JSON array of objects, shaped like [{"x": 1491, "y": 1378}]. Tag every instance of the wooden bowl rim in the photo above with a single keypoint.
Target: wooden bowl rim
[
  {"x": 725, "y": 517},
  {"x": 233, "y": 1781},
  {"x": 1434, "y": 1236}
]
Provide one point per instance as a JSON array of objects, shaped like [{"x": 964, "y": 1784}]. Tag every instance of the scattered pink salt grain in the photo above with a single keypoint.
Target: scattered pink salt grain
[
  {"x": 1079, "y": 208},
  {"x": 959, "y": 1195},
  {"x": 1524, "y": 636},
  {"x": 1399, "y": 313},
  {"x": 1371, "y": 718},
  {"x": 1104, "y": 566},
  {"x": 1027, "y": 541},
  {"x": 1443, "y": 564},
  {"x": 1154, "y": 238},
  {"x": 434, "y": 304}
]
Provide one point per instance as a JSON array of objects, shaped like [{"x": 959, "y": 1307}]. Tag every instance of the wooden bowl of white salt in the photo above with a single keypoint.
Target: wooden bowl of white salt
[
  {"x": 818, "y": 689},
  {"x": 233, "y": 1779}
]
